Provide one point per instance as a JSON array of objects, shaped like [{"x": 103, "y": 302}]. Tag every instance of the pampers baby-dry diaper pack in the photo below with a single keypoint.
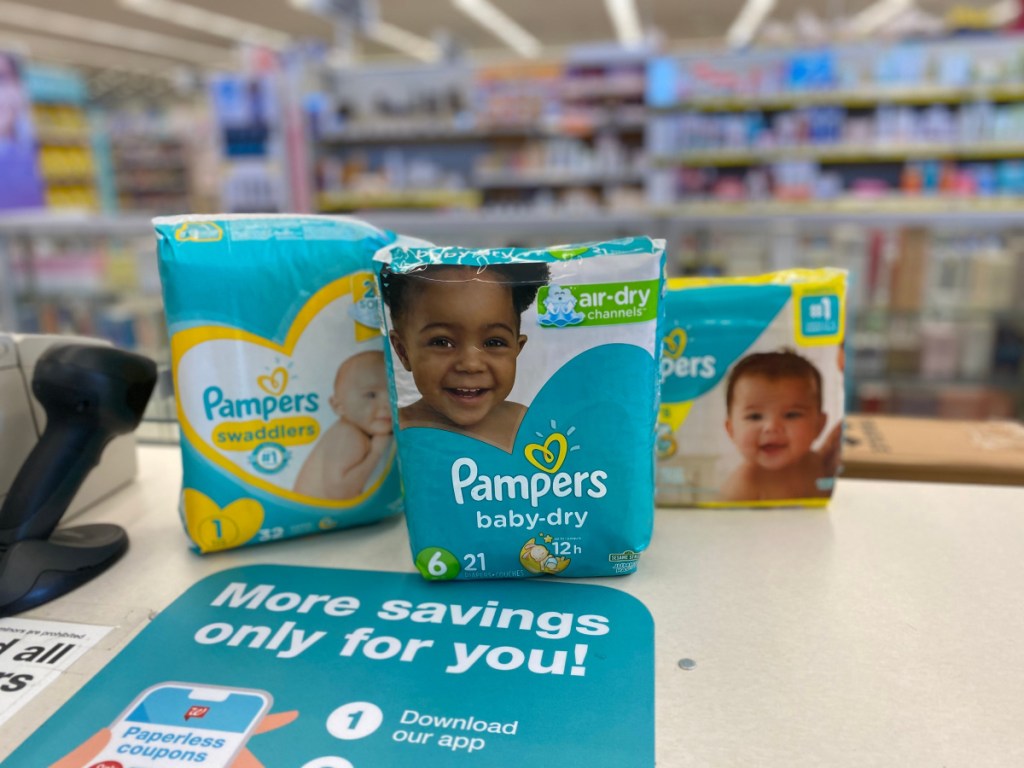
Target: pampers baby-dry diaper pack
[
  {"x": 279, "y": 373},
  {"x": 525, "y": 395},
  {"x": 752, "y": 389}
]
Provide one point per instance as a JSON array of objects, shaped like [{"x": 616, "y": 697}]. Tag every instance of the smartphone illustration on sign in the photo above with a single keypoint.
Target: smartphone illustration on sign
[{"x": 175, "y": 724}]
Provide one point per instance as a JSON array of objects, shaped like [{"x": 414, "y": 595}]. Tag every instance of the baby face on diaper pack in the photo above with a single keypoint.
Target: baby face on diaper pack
[
  {"x": 774, "y": 415},
  {"x": 352, "y": 448},
  {"x": 458, "y": 331},
  {"x": 752, "y": 393},
  {"x": 515, "y": 462},
  {"x": 280, "y": 375}
]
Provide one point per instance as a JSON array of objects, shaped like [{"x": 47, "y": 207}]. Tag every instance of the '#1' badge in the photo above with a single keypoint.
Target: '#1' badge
[{"x": 269, "y": 458}]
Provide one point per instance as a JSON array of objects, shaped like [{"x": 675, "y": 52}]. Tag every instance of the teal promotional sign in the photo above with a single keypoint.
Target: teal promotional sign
[{"x": 289, "y": 667}]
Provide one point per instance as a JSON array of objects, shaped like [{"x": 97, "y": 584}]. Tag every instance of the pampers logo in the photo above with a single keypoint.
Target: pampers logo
[
  {"x": 467, "y": 481},
  {"x": 673, "y": 363},
  {"x": 216, "y": 404},
  {"x": 542, "y": 553},
  {"x": 548, "y": 457},
  {"x": 265, "y": 423}
]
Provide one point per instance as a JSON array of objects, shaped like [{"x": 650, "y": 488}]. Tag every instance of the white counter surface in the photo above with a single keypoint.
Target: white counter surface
[{"x": 887, "y": 630}]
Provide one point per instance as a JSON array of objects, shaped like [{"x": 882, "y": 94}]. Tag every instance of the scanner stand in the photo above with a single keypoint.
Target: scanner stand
[
  {"x": 36, "y": 571},
  {"x": 90, "y": 394}
]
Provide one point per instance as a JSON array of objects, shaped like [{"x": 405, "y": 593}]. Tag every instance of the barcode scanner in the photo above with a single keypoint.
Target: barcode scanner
[{"x": 91, "y": 394}]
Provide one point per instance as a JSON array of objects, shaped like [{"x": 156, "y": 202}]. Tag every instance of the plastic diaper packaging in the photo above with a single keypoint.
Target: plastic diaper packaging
[
  {"x": 279, "y": 372},
  {"x": 752, "y": 389},
  {"x": 525, "y": 394}
]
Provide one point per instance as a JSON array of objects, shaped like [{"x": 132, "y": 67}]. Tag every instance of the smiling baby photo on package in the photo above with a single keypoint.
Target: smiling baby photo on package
[
  {"x": 752, "y": 390},
  {"x": 458, "y": 331},
  {"x": 524, "y": 383}
]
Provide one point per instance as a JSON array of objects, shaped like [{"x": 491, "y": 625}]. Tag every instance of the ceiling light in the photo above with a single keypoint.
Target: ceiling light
[
  {"x": 501, "y": 26},
  {"x": 368, "y": 23},
  {"x": 404, "y": 41},
  {"x": 878, "y": 15},
  {"x": 105, "y": 33},
  {"x": 626, "y": 22},
  {"x": 210, "y": 22},
  {"x": 749, "y": 20}
]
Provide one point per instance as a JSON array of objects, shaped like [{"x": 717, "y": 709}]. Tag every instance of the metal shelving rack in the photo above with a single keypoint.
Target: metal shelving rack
[{"x": 779, "y": 234}]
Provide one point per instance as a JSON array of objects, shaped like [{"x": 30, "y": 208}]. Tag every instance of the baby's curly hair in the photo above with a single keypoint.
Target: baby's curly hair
[
  {"x": 785, "y": 364},
  {"x": 524, "y": 280}
]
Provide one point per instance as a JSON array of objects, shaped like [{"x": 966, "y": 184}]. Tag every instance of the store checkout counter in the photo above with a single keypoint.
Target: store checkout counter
[{"x": 884, "y": 630}]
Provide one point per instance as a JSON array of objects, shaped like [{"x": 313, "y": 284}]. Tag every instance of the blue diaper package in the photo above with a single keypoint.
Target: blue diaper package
[
  {"x": 279, "y": 374},
  {"x": 752, "y": 396},
  {"x": 525, "y": 388}
]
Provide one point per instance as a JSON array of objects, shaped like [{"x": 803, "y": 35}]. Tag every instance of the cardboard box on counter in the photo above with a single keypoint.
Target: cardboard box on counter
[{"x": 933, "y": 450}]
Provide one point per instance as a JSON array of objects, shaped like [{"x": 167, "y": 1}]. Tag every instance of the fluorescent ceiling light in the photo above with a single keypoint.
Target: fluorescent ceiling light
[
  {"x": 379, "y": 31},
  {"x": 105, "y": 33},
  {"x": 501, "y": 26},
  {"x": 626, "y": 21},
  {"x": 878, "y": 15},
  {"x": 210, "y": 22},
  {"x": 404, "y": 41},
  {"x": 748, "y": 21},
  {"x": 83, "y": 54}
]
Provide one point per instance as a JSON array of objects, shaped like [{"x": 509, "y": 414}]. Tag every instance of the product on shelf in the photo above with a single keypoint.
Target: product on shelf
[
  {"x": 409, "y": 179},
  {"x": 398, "y": 102},
  {"x": 824, "y": 124},
  {"x": 22, "y": 186},
  {"x": 523, "y": 95},
  {"x": 151, "y": 158},
  {"x": 93, "y": 286},
  {"x": 261, "y": 143},
  {"x": 543, "y": 137},
  {"x": 66, "y": 156}
]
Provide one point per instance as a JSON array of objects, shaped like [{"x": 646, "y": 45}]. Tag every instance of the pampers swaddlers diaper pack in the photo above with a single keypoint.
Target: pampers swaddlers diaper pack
[
  {"x": 279, "y": 375},
  {"x": 525, "y": 395},
  {"x": 752, "y": 389}
]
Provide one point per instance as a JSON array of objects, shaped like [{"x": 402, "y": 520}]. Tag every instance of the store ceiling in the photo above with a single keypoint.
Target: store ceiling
[{"x": 557, "y": 24}]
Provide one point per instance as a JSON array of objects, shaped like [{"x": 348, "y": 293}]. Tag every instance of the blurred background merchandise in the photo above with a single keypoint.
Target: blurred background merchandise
[{"x": 884, "y": 137}]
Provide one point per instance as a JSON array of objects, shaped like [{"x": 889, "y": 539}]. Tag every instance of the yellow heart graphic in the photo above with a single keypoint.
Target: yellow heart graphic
[
  {"x": 675, "y": 343},
  {"x": 184, "y": 341},
  {"x": 549, "y": 461},
  {"x": 275, "y": 383},
  {"x": 213, "y": 528}
]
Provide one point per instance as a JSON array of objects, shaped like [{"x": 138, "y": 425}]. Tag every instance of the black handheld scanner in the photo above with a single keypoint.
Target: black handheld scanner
[{"x": 91, "y": 394}]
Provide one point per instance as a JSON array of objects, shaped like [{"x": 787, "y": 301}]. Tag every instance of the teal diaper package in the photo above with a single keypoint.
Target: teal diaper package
[
  {"x": 752, "y": 389},
  {"x": 525, "y": 386},
  {"x": 279, "y": 374}
]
